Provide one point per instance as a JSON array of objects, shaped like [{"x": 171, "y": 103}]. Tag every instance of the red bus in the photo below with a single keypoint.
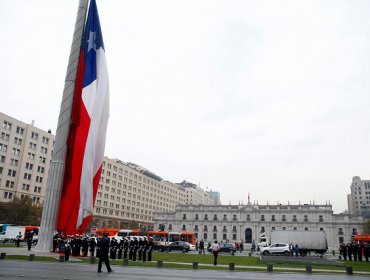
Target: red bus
[
  {"x": 188, "y": 236},
  {"x": 163, "y": 237},
  {"x": 110, "y": 231}
]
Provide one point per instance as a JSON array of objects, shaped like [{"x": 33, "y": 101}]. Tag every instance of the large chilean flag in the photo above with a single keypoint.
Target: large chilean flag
[{"x": 86, "y": 138}]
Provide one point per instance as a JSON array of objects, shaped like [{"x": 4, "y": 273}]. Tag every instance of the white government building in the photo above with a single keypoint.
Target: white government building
[{"x": 246, "y": 223}]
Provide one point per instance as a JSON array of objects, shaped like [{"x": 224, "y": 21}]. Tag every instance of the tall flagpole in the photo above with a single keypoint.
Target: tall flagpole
[{"x": 56, "y": 170}]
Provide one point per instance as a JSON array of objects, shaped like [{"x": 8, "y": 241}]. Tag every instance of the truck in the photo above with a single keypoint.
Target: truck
[
  {"x": 308, "y": 241},
  {"x": 11, "y": 232}
]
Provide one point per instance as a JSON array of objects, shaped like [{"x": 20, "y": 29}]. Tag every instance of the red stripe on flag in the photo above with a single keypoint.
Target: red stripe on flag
[{"x": 78, "y": 132}]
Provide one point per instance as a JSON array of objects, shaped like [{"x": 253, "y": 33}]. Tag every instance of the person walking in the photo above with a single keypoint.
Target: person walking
[
  {"x": 215, "y": 249},
  {"x": 29, "y": 240},
  {"x": 92, "y": 245},
  {"x": 296, "y": 249},
  {"x": 104, "y": 251},
  {"x": 18, "y": 239}
]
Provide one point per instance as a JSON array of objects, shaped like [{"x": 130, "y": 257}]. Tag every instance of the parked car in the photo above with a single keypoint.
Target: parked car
[
  {"x": 175, "y": 246},
  {"x": 225, "y": 247},
  {"x": 276, "y": 249}
]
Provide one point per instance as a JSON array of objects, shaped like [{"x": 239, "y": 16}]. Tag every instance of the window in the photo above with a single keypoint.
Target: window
[
  {"x": 7, "y": 125},
  {"x": 234, "y": 228},
  {"x": 262, "y": 229},
  {"x": 340, "y": 231},
  {"x": 234, "y": 236},
  {"x": 44, "y": 150},
  {"x": 225, "y": 217},
  {"x": 214, "y": 228},
  {"x": 306, "y": 229},
  {"x": 262, "y": 217},
  {"x": 38, "y": 179},
  {"x": 248, "y": 218},
  {"x": 234, "y": 217},
  {"x": 9, "y": 184},
  {"x": 295, "y": 228},
  {"x": 40, "y": 169},
  {"x": 184, "y": 216},
  {"x": 2, "y": 158},
  {"x": 215, "y": 236},
  {"x": 37, "y": 189},
  {"x": 224, "y": 236},
  {"x": 183, "y": 227},
  {"x": 42, "y": 159},
  {"x": 29, "y": 166},
  {"x": 321, "y": 219},
  {"x": 273, "y": 218},
  {"x": 27, "y": 176},
  {"x": 321, "y": 229},
  {"x": 195, "y": 227},
  {"x": 16, "y": 151},
  {"x": 205, "y": 236},
  {"x": 26, "y": 187},
  {"x": 272, "y": 228},
  {"x": 17, "y": 141},
  {"x": 31, "y": 156},
  {"x": 283, "y": 218},
  {"x": 294, "y": 218},
  {"x": 3, "y": 147},
  {"x": 215, "y": 217},
  {"x": 32, "y": 146},
  {"x": 12, "y": 173},
  {"x": 205, "y": 228},
  {"x": 34, "y": 135},
  {"x": 305, "y": 218},
  {"x": 205, "y": 217},
  {"x": 8, "y": 195},
  {"x": 45, "y": 140},
  {"x": 19, "y": 130},
  {"x": 4, "y": 136}
]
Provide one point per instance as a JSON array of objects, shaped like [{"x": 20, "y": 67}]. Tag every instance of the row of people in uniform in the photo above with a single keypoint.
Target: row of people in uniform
[
  {"x": 76, "y": 245},
  {"x": 355, "y": 250}
]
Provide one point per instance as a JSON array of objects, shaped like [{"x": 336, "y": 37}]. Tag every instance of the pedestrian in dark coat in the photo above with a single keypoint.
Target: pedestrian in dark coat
[
  {"x": 113, "y": 248},
  {"x": 98, "y": 247},
  {"x": 344, "y": 252},
  {"x": 104, "y": 251},
  {"x": 131, "y": 249},
  {"x": 29, "y": 240},
  {"x": 140, "y": 248},
  {"x": 67, "y": 251},
  {"x": 354, "y": 251},
  {"x": 359, "y": 251},
  {"x": 201, "y": 247}
]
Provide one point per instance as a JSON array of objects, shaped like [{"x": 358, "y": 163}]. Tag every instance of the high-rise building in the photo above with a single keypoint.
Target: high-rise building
[
  {"x": 196, "y": 195},
  {"x": 25, "y": 155},
  {"x": 128, "y": 195},
  {"x": 360, "y": 197}
]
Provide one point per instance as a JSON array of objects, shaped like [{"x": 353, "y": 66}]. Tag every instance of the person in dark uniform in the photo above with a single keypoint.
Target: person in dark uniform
[
  {"x": 18, "y": 239},
  {"x": 131, "y": 249},
  {"x": 98, "y": 247},
  {"x": 201, "y": 247},
  {"x": 92, "y": 245},
  {"x": 85, "y": 246},
  {"x": 29, "y": 240},
  {"x": 145, "y": 248},
  {"x": 140, "y": 248},
  {"x": 344, "y": 251},
  {"x": 150, "y": 248},
  {"x": 55, "y": 241},
  {"x": 104, "y": 251},
  {"x": 349, "y": 251},
  {"x": 113, "y": 248},
  {"x": 125, "y": 248},
  {"x": 367, "y": 251},
  {"x": 360, "y": 246},
  {"x": 135, "y": 245},
  {"x": 120, "y": 248},
  {"x": 67, "y": 250},
  {"x": 354, "y": 251}
]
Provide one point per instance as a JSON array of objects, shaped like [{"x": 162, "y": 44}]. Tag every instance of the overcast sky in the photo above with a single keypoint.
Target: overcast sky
[{"x": 267, "y": 97}]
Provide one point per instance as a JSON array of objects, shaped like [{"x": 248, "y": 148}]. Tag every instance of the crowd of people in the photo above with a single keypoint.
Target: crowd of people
[
  {"x": 355, "y": 251},
  {"x": 133, "y": 248}
]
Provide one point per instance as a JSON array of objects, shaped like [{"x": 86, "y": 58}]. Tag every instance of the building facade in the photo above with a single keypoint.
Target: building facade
[
  {"x": 359, "y": 199},
  {"x": 196, "y": 195},
  {"x": 25, "y": 155},
  {"x": 246, "y": 223},
  {"x": 128, "y": 195}
]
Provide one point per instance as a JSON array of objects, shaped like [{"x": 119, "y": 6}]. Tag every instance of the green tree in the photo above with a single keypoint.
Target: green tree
[{"x": 20, "y": 211}]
